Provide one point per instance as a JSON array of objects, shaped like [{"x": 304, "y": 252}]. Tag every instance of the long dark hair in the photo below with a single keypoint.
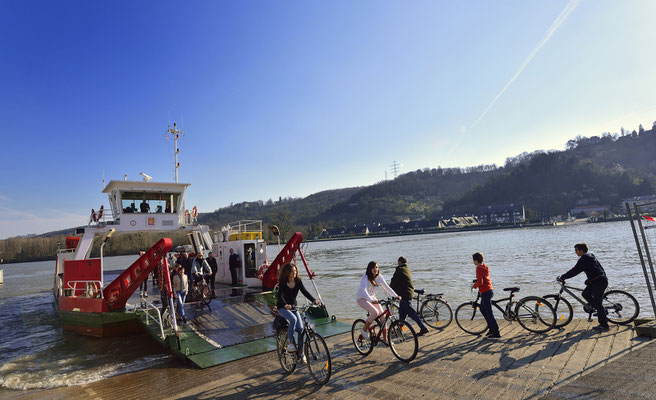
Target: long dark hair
[
  {"x": 370, "y": 272},
  {"x": 285, "y": 271}
]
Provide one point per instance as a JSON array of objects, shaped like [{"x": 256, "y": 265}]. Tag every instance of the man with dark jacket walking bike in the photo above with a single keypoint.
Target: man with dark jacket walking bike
[
  {"x": 595, "y": 285},
  {"x": 401, "y": 283}
]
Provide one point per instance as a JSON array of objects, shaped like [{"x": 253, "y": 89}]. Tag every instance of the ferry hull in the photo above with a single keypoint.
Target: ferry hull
[{"x": 101, "y": 324}]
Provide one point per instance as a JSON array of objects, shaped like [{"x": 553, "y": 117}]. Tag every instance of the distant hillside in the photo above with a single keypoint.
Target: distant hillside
[{"x": 598, "y": 170}]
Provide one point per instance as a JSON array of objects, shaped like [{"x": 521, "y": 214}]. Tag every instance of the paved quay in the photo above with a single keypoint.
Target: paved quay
[{"x": 575, "y": 362}]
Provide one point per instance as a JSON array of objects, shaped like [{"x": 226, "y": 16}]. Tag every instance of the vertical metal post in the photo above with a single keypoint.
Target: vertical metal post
[
  {"x": 648, "y": 253},
  {"x": 310, "y": 274},
  {"x": 639, "y": 247}
]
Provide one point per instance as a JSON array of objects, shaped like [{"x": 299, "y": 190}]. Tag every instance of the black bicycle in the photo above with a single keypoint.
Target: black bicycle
[
  {"x": 401, "y": 338},
  {"x": 621, "y": 308},
  {"x": 533, "y": 313},
  {"x": 433, "y": 310},
  {"x": 201, "y": 292},
  {"x": 314, "y": 352}
]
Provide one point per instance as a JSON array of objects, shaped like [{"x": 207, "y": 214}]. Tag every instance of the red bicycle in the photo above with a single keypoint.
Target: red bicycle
[{"x": 401, "y": 338}]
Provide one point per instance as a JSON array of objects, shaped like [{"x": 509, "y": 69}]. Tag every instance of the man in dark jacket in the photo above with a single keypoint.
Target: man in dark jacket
[
  {"x": 401, "y": 283},
  {"x": 214, "y": 267},
  {"x": 233, "y": 262},
  {"x": 595, "y": 285}
]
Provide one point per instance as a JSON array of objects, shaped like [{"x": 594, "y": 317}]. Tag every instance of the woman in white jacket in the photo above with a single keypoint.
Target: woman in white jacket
[{"x": 366, "y": 296}]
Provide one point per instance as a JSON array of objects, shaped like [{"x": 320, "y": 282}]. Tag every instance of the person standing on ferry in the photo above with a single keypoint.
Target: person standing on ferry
[
  {"x": 366, "y": 296},
  {"x": 289, "y": 284},
  {"x": 181, "y": 288}
]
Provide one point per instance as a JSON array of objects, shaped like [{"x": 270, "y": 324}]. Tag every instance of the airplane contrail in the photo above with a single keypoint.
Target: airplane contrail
[{"x": 571, "y": 5}]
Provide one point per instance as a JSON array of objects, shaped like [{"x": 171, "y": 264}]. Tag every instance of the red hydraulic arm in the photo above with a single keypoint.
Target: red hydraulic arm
[
  {"x": 270, "y": 279},
  {"x": 119, "y": 291}
]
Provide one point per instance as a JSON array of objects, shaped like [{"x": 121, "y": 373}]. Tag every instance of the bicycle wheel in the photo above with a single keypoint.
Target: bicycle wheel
[
  {"x": 362, "y": 345},
  {"x": 436, "y": 313},
  {"x": 621, "y": 307},
  {"x": 403, "y": 341},
  {"x": 287, "y": 360},
  {"x": 318, "y": 358},
  {"x": 470, "y": 318},
  {"x": 535, "y": 314},
  {"x": 206, "y": 295},
  {"x": 563, "y": 308}
]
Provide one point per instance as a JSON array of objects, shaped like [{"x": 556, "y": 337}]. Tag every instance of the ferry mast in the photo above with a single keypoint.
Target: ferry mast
[{"x": 176, "y": 134}]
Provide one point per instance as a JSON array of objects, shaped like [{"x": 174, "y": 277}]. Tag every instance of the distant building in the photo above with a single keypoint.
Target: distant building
[
  {"x": 587, "y": 211},
  {"x": 651, "y": 198},
  {"x": 502, "y": 214}
]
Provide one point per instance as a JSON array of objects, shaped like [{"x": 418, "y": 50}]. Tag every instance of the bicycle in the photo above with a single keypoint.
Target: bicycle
[
  {"x": 434, "y": 310},
  {"x": 314, "y": 349},
  {"x": 200, "y": 292},
  {"x": 621, "y": 308},
  {"x": 401, "y": 338},
  {"x": 533, "y": 313}
]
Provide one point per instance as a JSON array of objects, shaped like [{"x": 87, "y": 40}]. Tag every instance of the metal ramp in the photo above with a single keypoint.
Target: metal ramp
[{"x": 236, "y": 325}]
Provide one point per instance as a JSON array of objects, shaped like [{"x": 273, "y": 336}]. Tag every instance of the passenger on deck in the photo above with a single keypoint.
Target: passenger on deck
[
  {"x": 214, "y": 267},
  {"x": 185, "y": 261},
  {"x": 201, "y": 269},
  {"x": 181, "y": 288},
  {"x": 289, "y": 284},
  {"x": 145, "y": 207},
  {"x": 402, "y": 284},
  {"x": 159, "y": 209},
  {"x": 234, "y": 263},
  {"x": 133, "y": 208},
  {"x": 366, "y": 296}
]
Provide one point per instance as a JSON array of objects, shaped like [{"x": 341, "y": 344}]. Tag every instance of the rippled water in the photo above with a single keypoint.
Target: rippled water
[
  {"x": 35, "y": 353},
  {"x": 530, "y": 258}
]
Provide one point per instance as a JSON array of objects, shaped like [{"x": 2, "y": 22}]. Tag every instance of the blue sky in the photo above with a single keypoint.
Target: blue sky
[{"x": 287, "y": 98}]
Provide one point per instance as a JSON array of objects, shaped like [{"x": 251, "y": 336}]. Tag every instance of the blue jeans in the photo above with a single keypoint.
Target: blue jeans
[
  {"x": 486, "y": 310},
  {"x": 405, "y": 309},
  {"x": 295, "y": 324},
  {"x": 180, "y": 299}
]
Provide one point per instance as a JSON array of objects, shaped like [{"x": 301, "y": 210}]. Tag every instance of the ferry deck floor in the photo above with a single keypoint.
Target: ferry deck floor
[{"x": 237, "y": 324}]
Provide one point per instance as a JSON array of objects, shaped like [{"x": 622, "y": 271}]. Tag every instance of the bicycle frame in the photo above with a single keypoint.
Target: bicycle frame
[
  {"x": 565, "y": 288},
  {"x": 507, "y": 312}
]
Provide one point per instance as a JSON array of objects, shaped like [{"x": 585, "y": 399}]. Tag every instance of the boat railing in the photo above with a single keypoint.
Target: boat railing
[
  {"x": 146, "y": 310},
  {"x": 242, "y": 226},
  {"x": 90, "y": 289}
]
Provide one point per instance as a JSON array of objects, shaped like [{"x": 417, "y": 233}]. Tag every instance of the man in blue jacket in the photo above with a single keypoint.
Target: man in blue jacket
[{"x": 595, "y": 285}]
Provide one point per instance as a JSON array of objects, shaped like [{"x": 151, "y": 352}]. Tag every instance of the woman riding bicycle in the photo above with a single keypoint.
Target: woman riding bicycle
[
  {"x": 366, "y": 296},
  {"x": 289, "y": 284}
]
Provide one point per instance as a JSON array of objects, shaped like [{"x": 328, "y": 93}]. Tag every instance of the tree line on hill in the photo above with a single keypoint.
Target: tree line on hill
[{"x": 599, "y": 169}]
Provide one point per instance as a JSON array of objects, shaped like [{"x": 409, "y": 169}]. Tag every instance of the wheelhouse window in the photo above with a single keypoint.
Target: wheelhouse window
[{"x": 149, "y": 203}]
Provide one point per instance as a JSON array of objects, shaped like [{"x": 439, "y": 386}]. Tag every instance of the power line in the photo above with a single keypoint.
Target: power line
[{"x": 395, "y": 168}]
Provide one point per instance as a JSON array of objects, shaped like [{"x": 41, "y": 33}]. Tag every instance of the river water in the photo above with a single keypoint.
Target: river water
[{"x": 35, "y": 353}]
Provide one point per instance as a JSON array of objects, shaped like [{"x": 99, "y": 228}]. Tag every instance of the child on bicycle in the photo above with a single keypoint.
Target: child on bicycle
[
  {"x": 484, "y": 285},
  {"x": 289, "y": 284},
  {"x": 366, "y": 296}
]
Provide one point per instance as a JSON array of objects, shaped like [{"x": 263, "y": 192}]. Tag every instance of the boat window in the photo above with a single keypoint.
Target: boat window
[
  {"x": 249, "y": 260},
  {"x": 141, "y": 202}
]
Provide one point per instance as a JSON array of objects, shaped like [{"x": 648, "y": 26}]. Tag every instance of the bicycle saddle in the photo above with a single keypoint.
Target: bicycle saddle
[
  {"x": 511, "y": 289},
  {"x": 419, "y": 291}
]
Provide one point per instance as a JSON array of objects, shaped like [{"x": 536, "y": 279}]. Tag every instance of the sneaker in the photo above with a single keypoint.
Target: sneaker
[
  {"x": 493, "y": 336},
  {"x": 145, "y": 294},
  {"x": 303, "y": 359},
  {"x": 184, "y": 320},
  {"x": 364, "y": 334},
  {"x": 601, "y": 328},
  {"x": 422, "y": 332},
  {"x": 291, "y": 347}
]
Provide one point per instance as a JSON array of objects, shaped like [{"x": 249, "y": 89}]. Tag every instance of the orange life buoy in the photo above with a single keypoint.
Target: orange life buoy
[
  {"x": 194, "y": 212},
  {"x": 94, "y": 216},
  {"x": 100, "y": 212},
  {"x": 261, "y": 271}
]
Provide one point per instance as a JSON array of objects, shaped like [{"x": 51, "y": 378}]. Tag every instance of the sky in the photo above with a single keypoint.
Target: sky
[{"x": 289, "y": 98}]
